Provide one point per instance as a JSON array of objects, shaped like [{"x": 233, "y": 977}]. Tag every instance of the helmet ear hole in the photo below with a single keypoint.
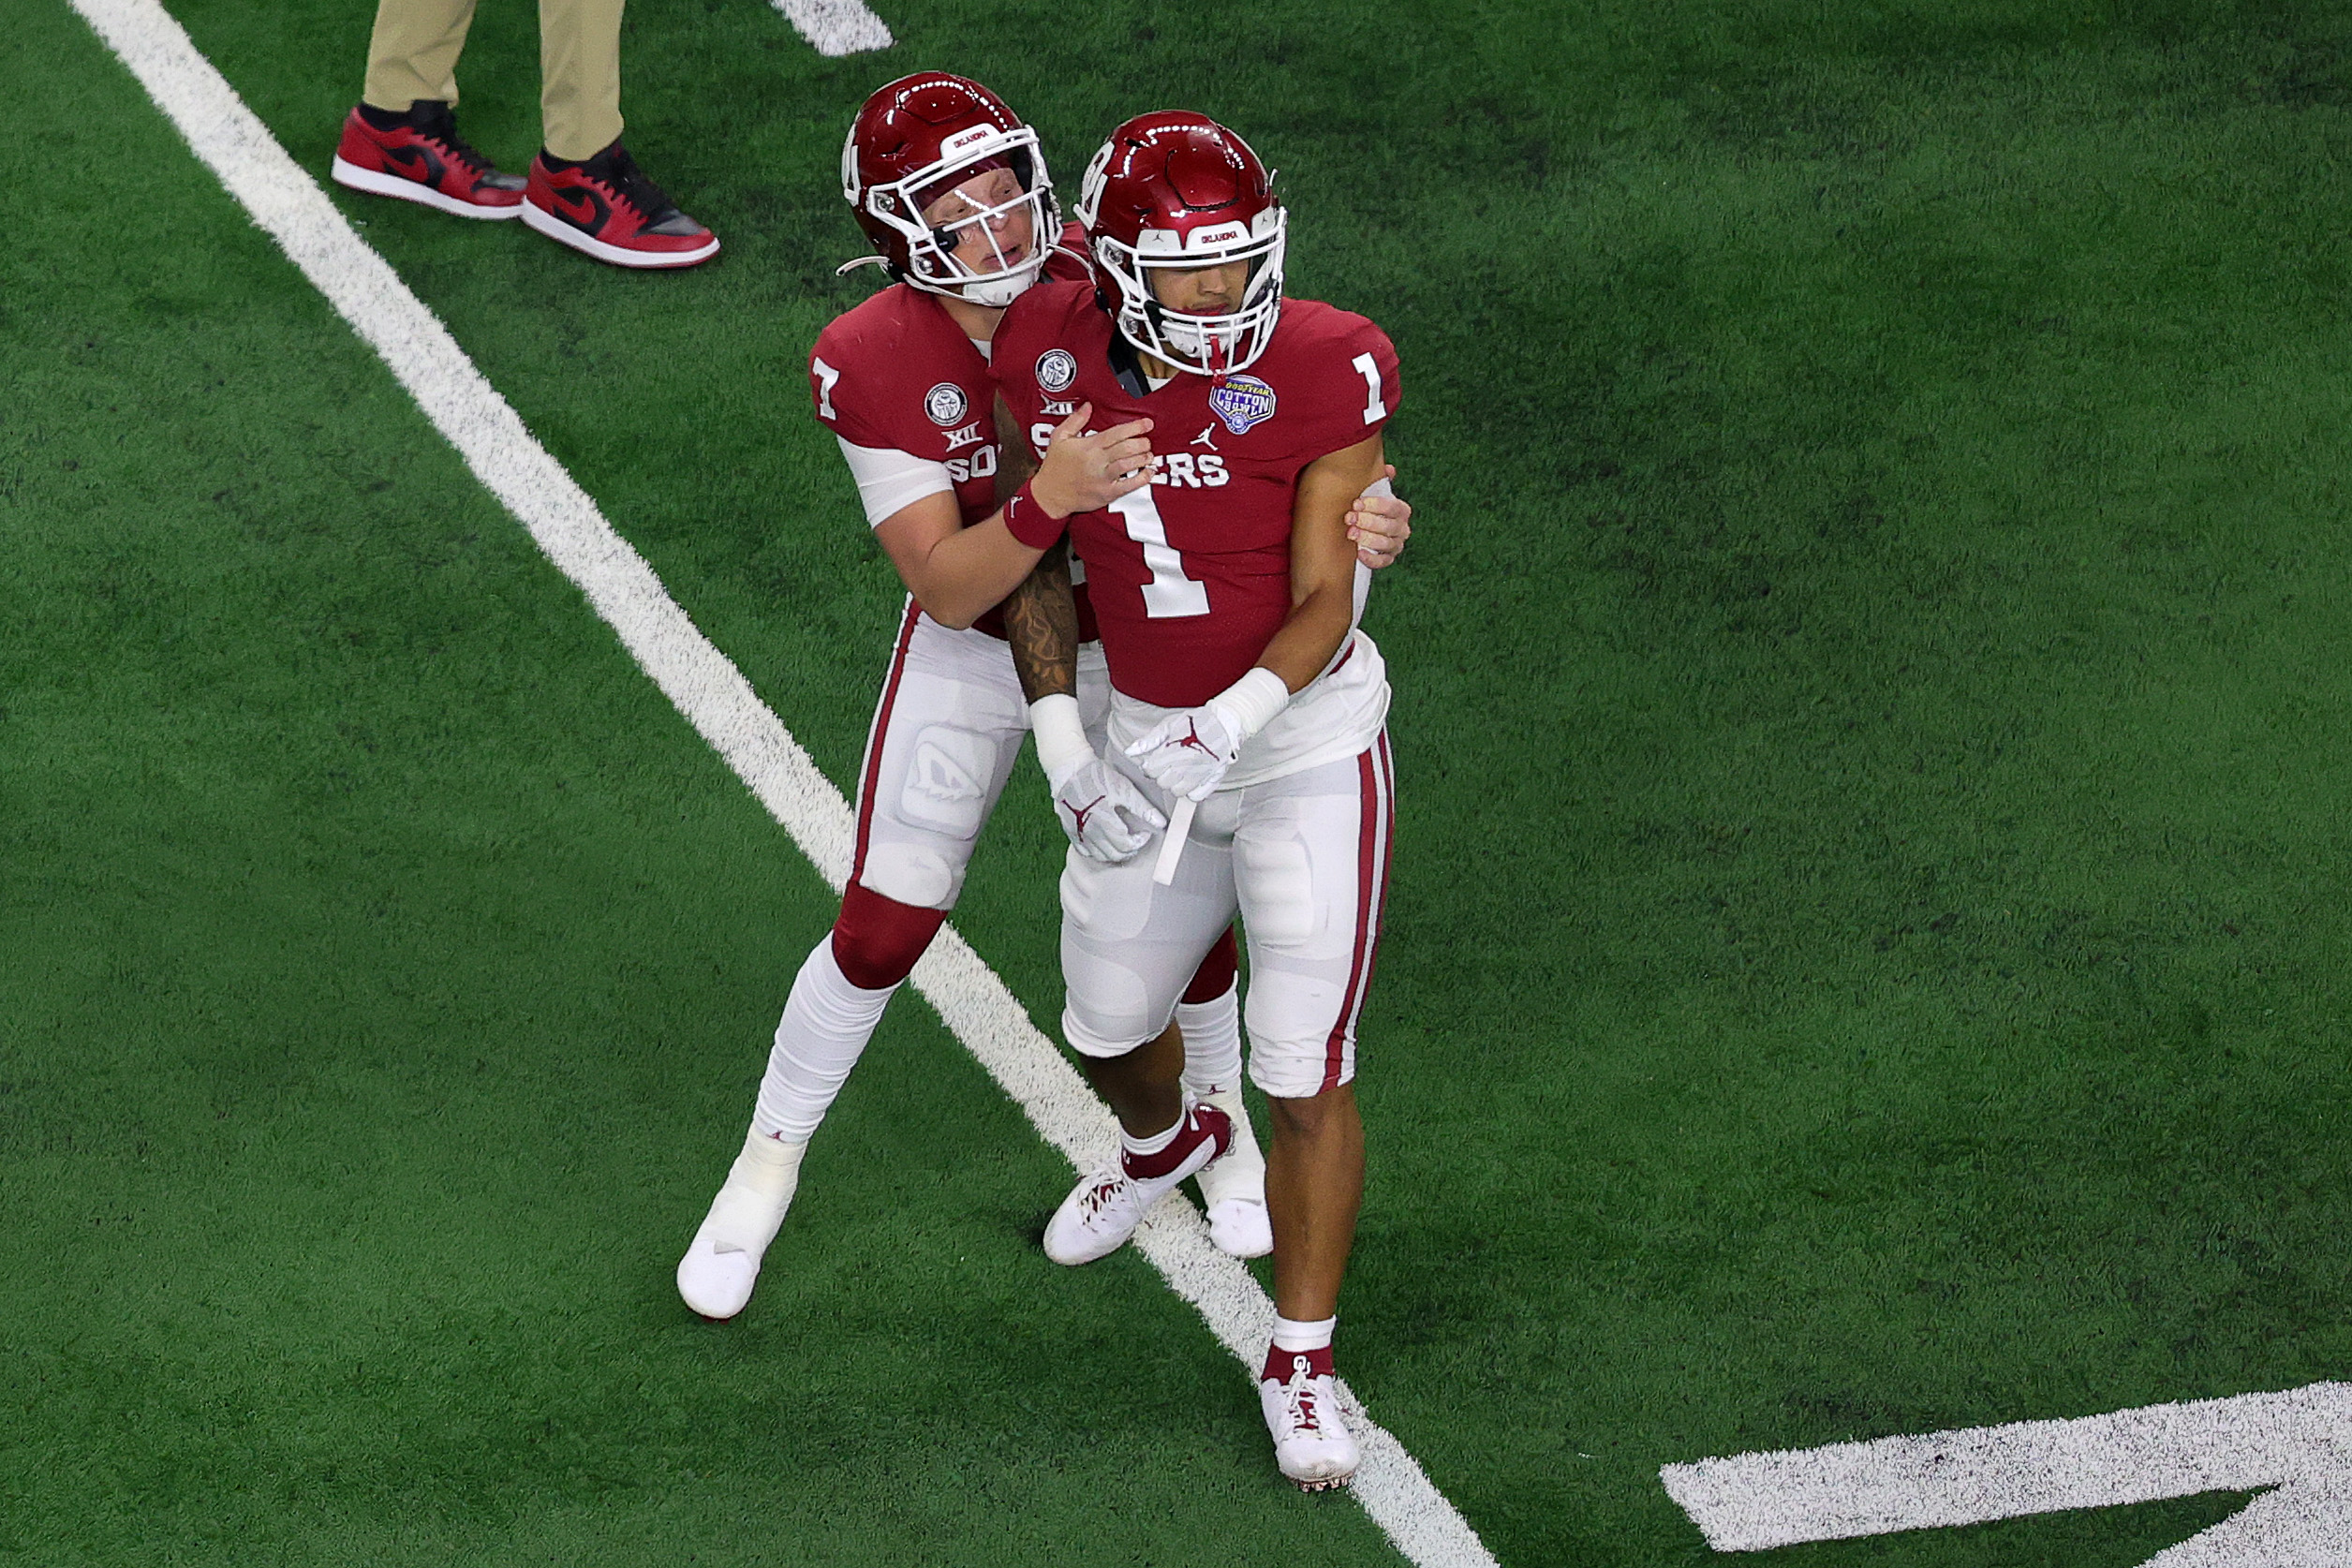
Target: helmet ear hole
[{"x": 1022, "y": 169}]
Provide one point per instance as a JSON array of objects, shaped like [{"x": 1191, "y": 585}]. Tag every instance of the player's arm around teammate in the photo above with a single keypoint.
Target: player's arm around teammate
[
  {"x": 959, "y": 573},
  {"x": 951, "y": 188}
]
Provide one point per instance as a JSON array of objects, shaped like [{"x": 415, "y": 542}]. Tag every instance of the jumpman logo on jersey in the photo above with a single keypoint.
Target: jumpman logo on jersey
[{"x": 1208, "y": 437}]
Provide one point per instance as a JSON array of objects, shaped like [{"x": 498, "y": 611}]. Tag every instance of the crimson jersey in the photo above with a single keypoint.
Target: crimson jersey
[
  {"x": 896, "y": 373},
  {"x": 1191, "y": 575}
]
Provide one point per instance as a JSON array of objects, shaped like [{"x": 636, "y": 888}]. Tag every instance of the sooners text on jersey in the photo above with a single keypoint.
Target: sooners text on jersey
[{"x": 1189, "y": 575}]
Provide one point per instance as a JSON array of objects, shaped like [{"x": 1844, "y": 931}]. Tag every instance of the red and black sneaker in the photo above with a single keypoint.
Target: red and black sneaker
[
  {"x": 606, "y": 208},
  {"x": 418, "y": 156}
]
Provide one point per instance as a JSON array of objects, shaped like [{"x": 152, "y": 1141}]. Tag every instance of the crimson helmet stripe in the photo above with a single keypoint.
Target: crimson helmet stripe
[{"x": 1173, "y": 171}]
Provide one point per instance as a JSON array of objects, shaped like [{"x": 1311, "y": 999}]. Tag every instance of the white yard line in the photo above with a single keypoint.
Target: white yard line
[
  {"x": 710, "y": 691},
  {"x": 2298, "y": 1443},
  {"x": 836, "y": 27}
]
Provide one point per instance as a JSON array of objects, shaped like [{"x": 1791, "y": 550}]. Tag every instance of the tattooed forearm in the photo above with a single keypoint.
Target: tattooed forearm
[
  {"x": 1013, "y": 462},
  {"x": 1041, "y": 620}
]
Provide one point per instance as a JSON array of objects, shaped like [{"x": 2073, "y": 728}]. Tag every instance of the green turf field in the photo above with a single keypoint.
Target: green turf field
[{"x": 1868, "y": 944}]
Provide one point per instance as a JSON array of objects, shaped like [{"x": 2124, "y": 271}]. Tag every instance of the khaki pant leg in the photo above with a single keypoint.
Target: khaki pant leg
[
  {"x": 580, "y": 74},
  {"x": 413, "y": 52}
]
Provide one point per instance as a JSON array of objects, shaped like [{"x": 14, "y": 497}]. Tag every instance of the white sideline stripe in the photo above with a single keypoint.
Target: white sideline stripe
[
  {"x": 712, "y": 693},
  {"x": 2299, "y": 1441},
  {"x": 836, "y": 27}
]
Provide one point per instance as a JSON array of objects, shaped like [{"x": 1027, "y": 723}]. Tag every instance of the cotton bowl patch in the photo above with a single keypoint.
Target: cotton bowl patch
[
  {"x": 1242, "y": 402},
  {"x": 945, "y": 404},
  {"x": 1055, "y": 369}
]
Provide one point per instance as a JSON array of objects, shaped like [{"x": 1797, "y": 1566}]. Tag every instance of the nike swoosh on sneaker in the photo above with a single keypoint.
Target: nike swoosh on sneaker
[
  {"x": 592, "y": 209},
  {"x": 419, "y": 158}
]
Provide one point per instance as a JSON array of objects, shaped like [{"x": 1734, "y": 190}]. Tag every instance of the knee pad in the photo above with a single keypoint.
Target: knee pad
[
  {"x": 1302, "y": 1074},
  {"x": 911, "y": 871},
  {"x": 876, "y": 940},
  {"x": 1096, "y": 1047},
  {"x": 1107, "y": 1008},
  {"x": 1302, "y": 1033}
]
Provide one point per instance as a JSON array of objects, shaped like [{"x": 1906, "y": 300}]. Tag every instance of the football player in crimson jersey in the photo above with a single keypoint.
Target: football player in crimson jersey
[
  {"x": 1246, "y": 705},
  {"x": 952, "y": 189}
]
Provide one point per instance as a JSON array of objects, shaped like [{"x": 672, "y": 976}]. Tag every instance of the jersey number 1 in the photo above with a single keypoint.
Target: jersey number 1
[
  {"x": 1170, "y": 594},
  {"x": 1374, "y": 409}
]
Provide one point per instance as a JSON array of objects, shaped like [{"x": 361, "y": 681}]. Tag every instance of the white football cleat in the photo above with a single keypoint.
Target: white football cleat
[
  {"x": 722, "y": 1263},
  {"x": 1233, "y": 1187},
  {"x": 1104, "y": 1208},
  {"x": 1313, "y": 1445}
]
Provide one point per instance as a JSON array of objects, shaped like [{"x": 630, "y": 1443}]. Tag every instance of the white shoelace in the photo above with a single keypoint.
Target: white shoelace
[
  {"x": 1302, "y": 1401},
  {"x": 1102, "y": 1192}
]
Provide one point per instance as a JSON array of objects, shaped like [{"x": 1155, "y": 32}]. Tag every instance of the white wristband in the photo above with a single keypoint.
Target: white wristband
[
  {"x": 1252, "y": 700},
  {"x": 1062, "y": 747}
]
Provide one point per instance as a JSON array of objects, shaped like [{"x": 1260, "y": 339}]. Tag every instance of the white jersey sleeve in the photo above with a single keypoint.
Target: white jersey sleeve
[{"x": 889, "y": 481}]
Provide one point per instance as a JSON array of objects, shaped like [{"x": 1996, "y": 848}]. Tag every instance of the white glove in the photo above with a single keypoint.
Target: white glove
[
  {"x": 1187, "y": 753},
  {"x": 1105, "y": 817}
]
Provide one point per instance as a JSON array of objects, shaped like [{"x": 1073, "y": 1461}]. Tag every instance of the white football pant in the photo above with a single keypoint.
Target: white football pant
[
  {"x": 945, "y": 735},
  {"x": 1304, "y": 860}
]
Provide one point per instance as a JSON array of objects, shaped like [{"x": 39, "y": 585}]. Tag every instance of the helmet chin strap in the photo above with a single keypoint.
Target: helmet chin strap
[
  {"x": 1206, "y": 346},
  {"x": 1215, "y": 352},
  {"x": 1158, "y": 320},
  {"x": 997, "y": 292}
]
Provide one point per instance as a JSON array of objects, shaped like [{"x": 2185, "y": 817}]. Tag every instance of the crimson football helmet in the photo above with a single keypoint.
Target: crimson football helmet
[
  {"x": 1174, "y": 191},
  {"x": 920, "y": 137}
]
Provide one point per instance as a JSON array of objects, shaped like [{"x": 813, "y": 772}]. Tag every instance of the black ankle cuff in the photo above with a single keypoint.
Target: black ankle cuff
[{"x": 383, "y": 119}]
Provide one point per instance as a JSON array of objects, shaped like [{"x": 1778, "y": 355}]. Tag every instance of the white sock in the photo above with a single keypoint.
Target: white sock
[
  {"x": 1291, "y": 1337},
  {"x": 1212, "y": 1042},
  {"x": 826, "y": 1024},
  {"x": 1240, "y": 1173},
  {"x": 759, "y": 1188},
  {"x": 1212, "y": 1074},
  {"x": 1158, "y": 1142}
]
